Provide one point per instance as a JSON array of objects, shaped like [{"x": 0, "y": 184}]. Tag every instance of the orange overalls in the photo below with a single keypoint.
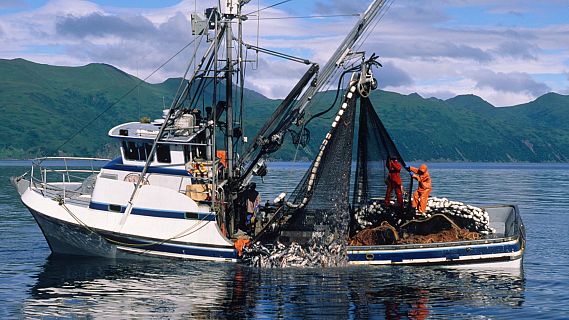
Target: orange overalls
[
  {"x": 421, "y": 195},
  {"x": 394, "y": 182}
]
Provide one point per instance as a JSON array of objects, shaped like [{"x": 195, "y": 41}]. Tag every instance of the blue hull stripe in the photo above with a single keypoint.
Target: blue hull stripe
[
  {"x": 228, "y": 253},
  {"x": 156, "y": 213},
  {"x": 178, "y": 249},
  {"x": 117, "y": 164},
  {"x": 448, "y": 253}
]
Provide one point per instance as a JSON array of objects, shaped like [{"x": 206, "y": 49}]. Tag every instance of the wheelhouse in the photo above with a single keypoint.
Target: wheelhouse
[{"x": 183, "y": 160}]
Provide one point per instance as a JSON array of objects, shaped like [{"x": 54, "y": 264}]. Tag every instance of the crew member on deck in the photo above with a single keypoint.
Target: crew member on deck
[
  {"x": 421, "y": 195},
  {"x": 252, "y": 199},
  {"x": 394, "y": 182}
]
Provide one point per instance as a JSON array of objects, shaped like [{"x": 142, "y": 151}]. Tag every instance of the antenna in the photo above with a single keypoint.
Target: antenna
[
  {"x": 138, "y": 91},
  {"x": 258, "y": 31}
]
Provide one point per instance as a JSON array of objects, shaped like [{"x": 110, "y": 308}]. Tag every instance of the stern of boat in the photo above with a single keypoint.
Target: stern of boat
[{"x": 502, "y": 249}]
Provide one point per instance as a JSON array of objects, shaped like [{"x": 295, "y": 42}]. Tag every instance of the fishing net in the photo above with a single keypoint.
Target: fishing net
[
  {"x": 318, "y": 209},
  {"x": 374, "y": 148},
  {"x": 320, "y": 203},
  {"x": 322, "y": 195}
]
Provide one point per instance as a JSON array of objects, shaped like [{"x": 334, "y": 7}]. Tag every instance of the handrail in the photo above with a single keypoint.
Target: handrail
[
  {"x": 67, "y": 174},
  {"x": 70, "y": 170},
  {"x": 41, "y": 159}
]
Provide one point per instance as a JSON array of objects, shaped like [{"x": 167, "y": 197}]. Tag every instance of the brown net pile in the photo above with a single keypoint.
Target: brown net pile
[
  {"x": 382, "y": 235},
  {"x": 436, "y": 229},
  {"x": 450, "y": 235}
]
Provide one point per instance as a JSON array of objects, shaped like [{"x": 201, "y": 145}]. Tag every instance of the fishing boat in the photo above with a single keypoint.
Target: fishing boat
[{"x": 176, "y": 190}]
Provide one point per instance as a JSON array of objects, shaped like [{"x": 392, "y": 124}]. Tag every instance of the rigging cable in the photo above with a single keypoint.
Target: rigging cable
[
  {"x": 357, "y": 47},
  {"x": 340, "y": 80},
  {"x": 268, "y": 7},
  {"x": 311, "y": 17},
  {"x": 141, "y": 81},
  {"x": 370, "y": 30}
]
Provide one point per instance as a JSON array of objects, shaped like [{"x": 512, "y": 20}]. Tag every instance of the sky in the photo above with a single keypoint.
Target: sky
[{"x": 508, "y": 52}]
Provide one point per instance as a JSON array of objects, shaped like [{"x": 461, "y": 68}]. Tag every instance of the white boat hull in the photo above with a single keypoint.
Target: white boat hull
[
  {"x": 83, "y": 231},
  {"x": 70, "y": 239}
]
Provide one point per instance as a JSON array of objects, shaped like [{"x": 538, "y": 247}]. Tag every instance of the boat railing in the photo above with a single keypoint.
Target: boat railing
[{"x": 63, "y": 177}]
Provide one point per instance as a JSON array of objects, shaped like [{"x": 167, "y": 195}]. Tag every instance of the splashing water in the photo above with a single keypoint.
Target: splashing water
[{"x": 295, "y": 255}]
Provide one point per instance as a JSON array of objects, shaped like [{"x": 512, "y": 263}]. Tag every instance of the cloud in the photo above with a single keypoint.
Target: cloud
[
  {"x": 517, "y": 49},
  {"x": 343, "y": 7},
  {"x": 515, "y": 82},
  {"x": 391, "y": 76},
  {"x": 11, "y": 4},
  {"x": 420, "y": 13},
  {"x": 99, "y": 25},
  {"x": 132, "y": 43},
  {"x": 274, "y": 78},
  {"x": 431, "y": 47},
  {"x": 566, "y": 89}
]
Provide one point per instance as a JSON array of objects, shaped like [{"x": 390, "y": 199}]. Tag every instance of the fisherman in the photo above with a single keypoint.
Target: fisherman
[
  {"x": 421, "y": 195},
  {"x": 394, "y": 182},
  {"x": 251, "y": 200}
]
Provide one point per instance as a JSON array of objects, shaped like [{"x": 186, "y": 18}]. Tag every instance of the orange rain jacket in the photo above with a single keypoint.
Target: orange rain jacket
[{"x": 421, "y": 195}]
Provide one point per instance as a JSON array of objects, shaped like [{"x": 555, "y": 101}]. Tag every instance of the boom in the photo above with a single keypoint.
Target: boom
[
  {"x": 337, "y": 59},
  {"x": 274, "y": 132}
]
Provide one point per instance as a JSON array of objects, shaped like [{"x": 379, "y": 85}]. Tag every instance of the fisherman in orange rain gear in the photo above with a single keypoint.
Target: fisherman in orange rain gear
[
  {"x": 394, "y": 182},
  {"x": 421, "y": 195}
]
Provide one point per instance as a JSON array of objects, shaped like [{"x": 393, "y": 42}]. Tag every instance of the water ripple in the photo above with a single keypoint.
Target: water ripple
[{"x": 34, "y": 284}]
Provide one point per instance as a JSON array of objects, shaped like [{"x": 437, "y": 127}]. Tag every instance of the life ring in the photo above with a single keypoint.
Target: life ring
[{"x": 134, "y": 178}]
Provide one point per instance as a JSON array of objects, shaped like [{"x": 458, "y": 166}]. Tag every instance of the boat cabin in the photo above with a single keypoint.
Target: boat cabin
[{"x": 183, "y": 159}]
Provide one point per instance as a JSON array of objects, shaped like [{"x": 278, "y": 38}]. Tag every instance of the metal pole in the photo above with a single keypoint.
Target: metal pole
[
  {"x": 229, "y": 112},
  {"x": 174, "y": 105},
  {"x": 410, "y": 213},
  {"x": 63, "y": 178},
  {"x": 32, "y": 176},
  {"x": 241, "y": 76},
  {"x": 229, "y": 96}
]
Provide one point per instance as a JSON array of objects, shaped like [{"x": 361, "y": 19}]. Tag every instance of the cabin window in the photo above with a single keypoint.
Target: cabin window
[
  {"x": 137, "y": 151},
  {"x": 163, "y": 153},
  {"x": 130, "y": 151},
  {"x": 144, "y": 150}
]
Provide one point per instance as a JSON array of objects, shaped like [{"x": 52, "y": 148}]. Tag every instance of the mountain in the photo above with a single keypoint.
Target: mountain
[{"x": 45, "y": 107}]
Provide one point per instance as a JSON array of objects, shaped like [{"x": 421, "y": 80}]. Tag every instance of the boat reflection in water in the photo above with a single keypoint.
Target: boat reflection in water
[{"x": 102, "y": 288}]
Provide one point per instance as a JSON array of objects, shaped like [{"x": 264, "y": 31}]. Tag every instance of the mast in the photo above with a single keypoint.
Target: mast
[{"x": 229, "y": 94}]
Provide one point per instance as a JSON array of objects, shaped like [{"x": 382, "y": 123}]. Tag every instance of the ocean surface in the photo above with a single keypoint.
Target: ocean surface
[{"x": 34, "y": 284}]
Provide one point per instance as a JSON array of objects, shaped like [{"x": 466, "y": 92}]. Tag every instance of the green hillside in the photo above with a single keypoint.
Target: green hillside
[{"x": 43, "y": 106}]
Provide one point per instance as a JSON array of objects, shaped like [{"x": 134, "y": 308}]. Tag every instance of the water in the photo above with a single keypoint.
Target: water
[{"x": 33, "y": 284}]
